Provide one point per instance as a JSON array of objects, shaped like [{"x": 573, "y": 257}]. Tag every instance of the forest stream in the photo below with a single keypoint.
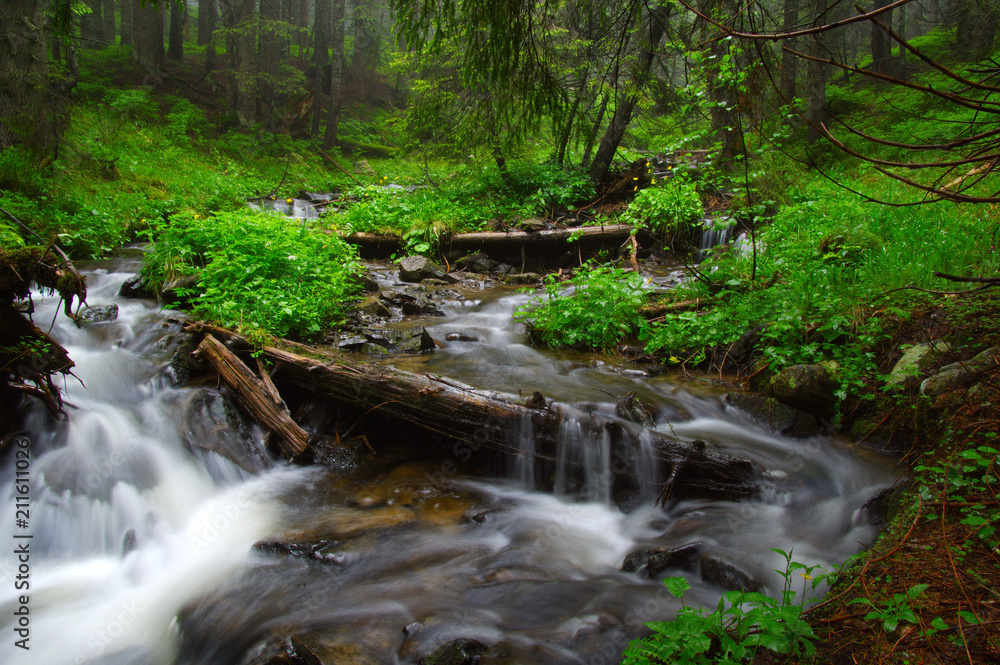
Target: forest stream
[{"x": 148, "y": 548}]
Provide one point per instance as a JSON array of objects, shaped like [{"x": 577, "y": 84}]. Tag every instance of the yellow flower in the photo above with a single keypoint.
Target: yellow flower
[
  {"x": 635, "y": 178},
  {"x": 805, "y": 576},
  {"x": 196, "y": 215},
  {"x": 288, "y": 200},
  {"x": 674, "y": 359}
]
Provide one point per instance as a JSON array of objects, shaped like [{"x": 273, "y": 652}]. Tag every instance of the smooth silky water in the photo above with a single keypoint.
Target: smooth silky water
[{"x": 143, "y": 548}]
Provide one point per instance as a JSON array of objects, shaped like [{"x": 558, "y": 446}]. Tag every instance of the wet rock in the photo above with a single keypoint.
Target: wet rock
[
  {"x": 178, "y": 291},
  {"x": 808, "y": 387},
  {"x": 684, "y": 557},
  {"x": 352, "y": 342},
  {"x": 458, "y": 652},
  {"x": 445, "y": 510},
  {"x": 536, "y": 401},
  {"x": 366, "y": 282},
  {"x": 461, "y": 337},
  {"x": 315, "y": 650},
  {"x": 99, "y": 314},
  {"x": 418, "y": 341},
  {"x": 344, "y": 455},
  {"x": 210, "y": 424},
  {"x": 372, "y": 306},
  {"x": 477, "y": 263},
  {"x": 182, "y": 366},
  {"x": 657, "y": 560},
  {"x": 128, "y": 542},
  {"x": 916, "y": 361},
  {"x": 136, "y": 288},
  {"x": 416, "y": 269},
  {"x": 774, "y": 415},
  {"x": 959, "y": 374},
  {"x": 524, "y": 278},
  {"x": 726, "y": 575},
  {"x": 343, "y": 522},
  {"x": 420, "y": 307},
  {"x": 312, "y": 551},
  {"x": 878, "y": 507}
]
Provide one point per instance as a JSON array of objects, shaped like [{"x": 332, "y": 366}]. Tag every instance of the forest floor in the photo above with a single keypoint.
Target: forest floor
[{"x": 941, "y": 522}]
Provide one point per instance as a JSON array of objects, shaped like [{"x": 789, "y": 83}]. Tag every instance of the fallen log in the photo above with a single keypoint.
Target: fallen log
[
  {"x": 536, "y": 247},
  {"x": 255, "y": 397},
  {"x": 479, "y": 419}
]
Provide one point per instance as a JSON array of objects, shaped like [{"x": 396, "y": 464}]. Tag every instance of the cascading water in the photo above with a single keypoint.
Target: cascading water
[{"x": 149, "y": 546}]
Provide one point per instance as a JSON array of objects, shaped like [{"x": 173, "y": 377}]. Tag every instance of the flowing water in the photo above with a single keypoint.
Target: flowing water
[{"x": 149, "y": 547}]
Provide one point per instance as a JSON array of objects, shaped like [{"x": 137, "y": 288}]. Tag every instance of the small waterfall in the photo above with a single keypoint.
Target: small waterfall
[{"x": 716, "y": 232}]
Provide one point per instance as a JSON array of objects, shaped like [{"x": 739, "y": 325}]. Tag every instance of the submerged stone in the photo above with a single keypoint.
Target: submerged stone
[
  {"x": 774, "y": 415},
  {"x": 99, "y": 314}
]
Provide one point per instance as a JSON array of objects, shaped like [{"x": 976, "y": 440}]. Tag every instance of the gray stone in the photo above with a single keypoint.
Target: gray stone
[
  {"x": 477, "y": 263},
  {"x": 177, "y": 291},
  {"x": 523, "y": 278},
  {"x": 916, "y": 360},
  {"x": 461, "y": 337},
  {"x": 957, "y": 375},
  {"x": 808, "y": 387},
  {"x": 99, "y": 314},
  {"x": 726, "y": 575},
  {"x": 367, "y": 284},
  {"x": 136, "y": 288},
  {"x": 352, "y": 343},
  {"x": 457, "y": 652},
  {"x": 684, "y": 557},
  {"x": 419, "y": 341},
  {"x": 372, "y": 306},
  {"x": 416, "y": 269},
  {"x": 774, "y": 415}
]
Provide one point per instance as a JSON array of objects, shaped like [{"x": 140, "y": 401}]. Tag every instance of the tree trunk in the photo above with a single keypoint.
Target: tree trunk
[
  {"x": 480, "y": 420},
  {"x": 212, "y": 18},
  {"x": 205, "y": 7},
  {"x": 789, "y": 62},
  {"x": 127, "y": 22},
  {"x": 722, "y": 108},
  {"x": 27, "y": 105},
  {"x": 92, "y": 26},
  {"x": 881, "y": 42},
  {"x": 175, "y": 44},
  {"x": 241, "y": 44},
  {"x": 653, "y": 31},
  {"x": 147, "y": 37},
  {"x": 108, "y": 31},
  {"x": 270, "y": 52},
  {"x": 321, "y": 58},
  {"x": 336, "y": 74},
  {"x": 816, "y": 76},
  {"x": 901, "y": 29}
]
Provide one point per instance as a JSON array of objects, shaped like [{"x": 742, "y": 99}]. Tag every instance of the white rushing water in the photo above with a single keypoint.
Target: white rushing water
[{"x": 142, "y": 540}]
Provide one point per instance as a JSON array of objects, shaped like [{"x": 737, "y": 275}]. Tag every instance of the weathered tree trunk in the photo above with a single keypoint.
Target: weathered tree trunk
[
  {"x": 108, "y": 18},
  {"x": 323, "y": 28},
  {"x": 241, "y": 45},
  {"x": 881, "y": 42},
  {"x": 789, "y": 62},
  {"x": 336, "y": 74},
  {"x": 723, "y": 108},
  {"x": 479, "y": 420},
  {"x": 653, "y": 30},
  {"x": 271, "y": 53},
  {"x": 816, "y": 75},
  {"x": 212, "y": 18},
  {"x": 27, "y": 105},
  {"x": 91, "y": 25},
  {"x": 175, "y": 43},
  {"x": 147, "y": 37},
  {"x": 205, "y": 8},
  {"x": 256, "y": 397},
  {"x": 127, "y": 22}
]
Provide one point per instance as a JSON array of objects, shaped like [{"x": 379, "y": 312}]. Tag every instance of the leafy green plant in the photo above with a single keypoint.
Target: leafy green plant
[
  {"x": 597, "y": 310},
  {"x": 898, "y": 609},
  {"x": 667, "y": 206},
  {"x": 257, "y": 270},
  {"x": 741, "y": 624}
]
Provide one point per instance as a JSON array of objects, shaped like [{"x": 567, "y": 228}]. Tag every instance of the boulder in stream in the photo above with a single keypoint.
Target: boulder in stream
[
  {"x": 727, "y": 575},
  {"x": 811, "y": 388},
  {"x": 99, "y": 314},
  {"x": 772, "y": 414},
  {"x": 457, "y": 652},
  {"x": 417, "y": 269}
]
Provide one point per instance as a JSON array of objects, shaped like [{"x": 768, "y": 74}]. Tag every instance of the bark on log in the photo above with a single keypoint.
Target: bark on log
[
  {"x": 480, "y": 419},
  {"x": 292, "y": 439},
  {"x": 506, "y": 246}
]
